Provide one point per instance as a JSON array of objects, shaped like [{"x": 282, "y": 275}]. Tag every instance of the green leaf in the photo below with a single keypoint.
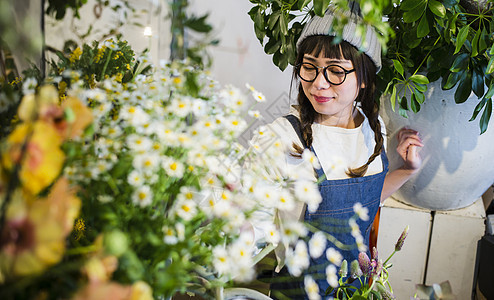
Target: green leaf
[
  {"x": 453, "y": 78},
  {"x": 273, "y": 19},
  {"x": 423, "y": 28},
  {"x": 421, "y": 87},
  {"x": 320, "y": 6},
  {"x": 478, "y": 83},
  {"x": 460, "y": 63},
  {"x": 272, "y": 46},
  {"x": 419, "y": 96},
  {"x": 490, "y": 91},
  {"x": 414, "y": 14},
  {"x": 283, "y": 25},
  {"x": 417, "y": 78},
  {"x": 491, "y": 52},
  {"x": 478, "y": 108},
  {"x": 490, "y": 66},
  {"x": 398, "y": 66},
  {"x": 482, "y": 40},
  {"x": 437, "y": 8},
  {"x": 407, "y": 5},
  {"x": 475, "y": 44},
  {"x": 393, "y": 98},
  {"x": 404, "y": 103},
  {"x": 486, "y": 116},
  {"x": 464, "y": 88},
  {"x": 414, "y": 104},
  {"x": 461, "y": 38}
]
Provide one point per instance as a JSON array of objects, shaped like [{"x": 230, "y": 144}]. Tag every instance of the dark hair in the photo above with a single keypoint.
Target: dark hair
[{"x": 366, "y": 73}]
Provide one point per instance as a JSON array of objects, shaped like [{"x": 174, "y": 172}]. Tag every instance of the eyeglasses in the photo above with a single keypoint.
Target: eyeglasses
[{"x": 333, "y": 74}]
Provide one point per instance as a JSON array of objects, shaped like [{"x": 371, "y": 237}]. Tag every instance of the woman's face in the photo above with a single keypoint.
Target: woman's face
[{"x": 333, "y": 103}]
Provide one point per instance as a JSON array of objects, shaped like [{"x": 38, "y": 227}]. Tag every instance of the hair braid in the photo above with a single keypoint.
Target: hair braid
[{"x": 372, "y": 114}]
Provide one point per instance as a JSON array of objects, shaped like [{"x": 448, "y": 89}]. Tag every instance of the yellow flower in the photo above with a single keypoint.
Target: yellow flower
[
  {"x": 75, "y": 54},
  {"x": 33, "y": 237},
  {"x": 43, "y": 158}
]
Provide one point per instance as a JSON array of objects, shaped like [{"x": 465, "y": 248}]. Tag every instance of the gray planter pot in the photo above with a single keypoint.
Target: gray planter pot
[{"x": 458, "y": 162}]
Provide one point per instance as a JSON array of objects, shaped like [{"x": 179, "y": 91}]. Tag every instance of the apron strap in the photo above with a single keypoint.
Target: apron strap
[
  {"x": 297, "y": 127},
  {"x": 319, "y": 173}
]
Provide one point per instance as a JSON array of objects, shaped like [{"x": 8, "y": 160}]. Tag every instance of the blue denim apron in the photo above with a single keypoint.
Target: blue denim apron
[{"x": 332, "y": 215}]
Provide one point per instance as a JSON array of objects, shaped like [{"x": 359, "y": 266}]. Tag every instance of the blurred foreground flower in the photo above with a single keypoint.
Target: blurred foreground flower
[{"x": 33, "y": 237}]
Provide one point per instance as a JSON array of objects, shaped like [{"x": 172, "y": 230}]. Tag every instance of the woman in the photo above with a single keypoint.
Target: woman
[{"x": 337, "y": 118}]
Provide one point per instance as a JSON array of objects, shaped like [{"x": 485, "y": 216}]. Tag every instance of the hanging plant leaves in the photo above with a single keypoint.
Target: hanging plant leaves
[
  {"x": 437, "y": 8},
  {"x": 414, "y": 104},
  {"x": 475, "y": 44},
  {"x": 408, "y": 5},
  {"x": 417, "y": 78},
  {"x": 453, "y": 78},
  {"x": 460, "y": 63},
  {"x": 398, "y": 66},
  {"x": 464, "y": 88},
  {"x": 423, "y": 28},
  {"x": 486, "y": 116},
  {"x": 414, "y": 14},
  {"x": 478, "y": 108},
  {"x": 490, "y": 66},
  {"x": 478, "y": 83},
  {"x": 393, "y": 98},
  {"x": 461, "y": 38}
]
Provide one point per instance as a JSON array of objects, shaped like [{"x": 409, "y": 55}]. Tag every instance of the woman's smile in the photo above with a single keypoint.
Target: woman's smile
[{"x": 322, "y": 99}]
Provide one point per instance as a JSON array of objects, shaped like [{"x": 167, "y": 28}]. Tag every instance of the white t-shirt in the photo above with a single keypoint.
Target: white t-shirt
[{"x": 338, "y": 149}]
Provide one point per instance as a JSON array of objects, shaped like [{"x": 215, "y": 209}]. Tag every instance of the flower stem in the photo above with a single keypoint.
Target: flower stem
[{"x": 106, "y": 65}]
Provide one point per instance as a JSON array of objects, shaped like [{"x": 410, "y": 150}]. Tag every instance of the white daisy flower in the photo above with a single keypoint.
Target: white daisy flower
[
  {"x": 221, "y": 260},
  {"x": 332, "y": 276},
  {"x": 185, "y": 209},
  {"x": 292, "y": 230},
  {"x": 317, "y": 244},
  {"x": 112, "y": 131},
  {"x": 271, "y": 234},
  {"x": 311, "y": 288},
  {"x": 241, "y": 253},
  {"x": 258, "y": 96},
  {"x": 255, "y": 114},
  {"x": 285, "y": 201},
  {"x": 180, "y": 107},
  {"x": 308, "y": 192},
  {"x": 147, "y": 163},
  {"x": 173, "y": 167},
  {"x": 297, "y": 260},
  {"x": 135, "y": 178},
  {"x": 139, "y": 143},
  {"x": 142, "y": 196},
  {"x": 334, "y": 256},
  {"x": 309, "y": 156},
  {"x": 170, "y": 237},
  {"x": 362, "y": 212}
]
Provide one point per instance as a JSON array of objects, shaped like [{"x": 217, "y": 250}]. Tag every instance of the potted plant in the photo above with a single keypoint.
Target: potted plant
[{"x": 431, "y": 48}]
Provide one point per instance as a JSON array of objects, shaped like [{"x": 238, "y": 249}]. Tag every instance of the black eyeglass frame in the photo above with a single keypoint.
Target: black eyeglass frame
[{"x": 324, "y": 69}]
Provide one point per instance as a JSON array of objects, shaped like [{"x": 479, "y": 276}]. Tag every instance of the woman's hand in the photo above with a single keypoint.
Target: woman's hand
[{"x": 408, "y": 148}]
